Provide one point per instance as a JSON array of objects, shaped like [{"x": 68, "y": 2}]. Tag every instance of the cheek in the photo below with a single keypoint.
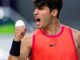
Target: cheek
[
  {"x": 46, "y": 20},
  {"x": 44, "y": 13},
  {"x": 45, "y": 16}
]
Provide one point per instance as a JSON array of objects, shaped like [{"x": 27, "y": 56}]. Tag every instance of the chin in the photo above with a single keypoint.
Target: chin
[{"x": 38, "y": 27}]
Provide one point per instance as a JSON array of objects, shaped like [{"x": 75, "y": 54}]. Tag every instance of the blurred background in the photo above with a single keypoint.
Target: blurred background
[{"x": 13, "y": 10}]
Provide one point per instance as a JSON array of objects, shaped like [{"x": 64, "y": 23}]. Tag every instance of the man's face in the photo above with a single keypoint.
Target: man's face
[{"x": 43, "y": 17}]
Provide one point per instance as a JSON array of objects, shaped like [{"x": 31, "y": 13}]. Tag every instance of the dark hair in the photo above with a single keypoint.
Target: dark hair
[{"x": 51, "y": 4}]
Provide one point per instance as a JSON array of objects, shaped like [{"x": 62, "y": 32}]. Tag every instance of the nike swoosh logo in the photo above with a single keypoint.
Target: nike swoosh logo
[{"x": 51, "y": 45}]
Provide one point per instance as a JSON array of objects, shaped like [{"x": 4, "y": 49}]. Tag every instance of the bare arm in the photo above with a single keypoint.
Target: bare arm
[
  {"x": 13, "y": 57},
  {"x": 26, "y": 45},
  {"x": 19, "y": 34},
  {"x": 78, "y": 38}
]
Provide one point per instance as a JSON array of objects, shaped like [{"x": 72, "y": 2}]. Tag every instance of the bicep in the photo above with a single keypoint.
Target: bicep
[
  {"x": 24, "y": 53},
  {"x": 25, "y": 48},
  {"x": 79, "y": 40}
]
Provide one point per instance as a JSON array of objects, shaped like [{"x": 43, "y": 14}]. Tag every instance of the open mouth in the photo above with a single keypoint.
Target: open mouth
[{"x": 37, "y": 20}]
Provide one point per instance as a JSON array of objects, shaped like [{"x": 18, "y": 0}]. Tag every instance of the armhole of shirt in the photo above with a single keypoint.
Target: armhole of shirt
[
  {"x": 33, "y": 42},
  {"x": 73, "y": 43}
]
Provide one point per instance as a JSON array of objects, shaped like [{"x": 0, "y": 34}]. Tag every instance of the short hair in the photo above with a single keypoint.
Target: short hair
[{"x": 51, "y": 4}]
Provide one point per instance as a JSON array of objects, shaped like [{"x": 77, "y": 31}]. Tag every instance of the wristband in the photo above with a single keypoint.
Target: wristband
[{"x": 15, "y": 48}]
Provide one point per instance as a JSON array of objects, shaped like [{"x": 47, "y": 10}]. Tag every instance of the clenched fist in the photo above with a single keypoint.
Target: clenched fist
[{"x": 20, "y": 30}]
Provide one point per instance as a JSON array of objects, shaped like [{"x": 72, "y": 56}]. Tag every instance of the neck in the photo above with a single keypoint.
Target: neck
[{"x": 54, "y": 28}]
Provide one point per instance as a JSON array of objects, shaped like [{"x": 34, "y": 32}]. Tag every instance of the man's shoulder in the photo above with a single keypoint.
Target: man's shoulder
[
  {"x": 28, "y": 36},
  {"x": 76, "y": 36},
  {"x": 75, "y": 31},
  {"x": 27, "y": 40}
]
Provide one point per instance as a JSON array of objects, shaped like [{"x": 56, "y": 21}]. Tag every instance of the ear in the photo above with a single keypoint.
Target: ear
[{"x": 54, "y": 12}]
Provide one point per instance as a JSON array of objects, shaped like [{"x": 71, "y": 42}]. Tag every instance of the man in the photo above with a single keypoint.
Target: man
[{"x": 51, "y": 40}]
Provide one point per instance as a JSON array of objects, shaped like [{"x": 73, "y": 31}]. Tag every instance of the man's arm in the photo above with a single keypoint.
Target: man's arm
[
  {"x": 24, "y": 51},
  {"x": 78, "y": 39},
  {"x": 76, "y": 36},
  {"x": 78, "y": 45},
  {"x": 17, "y": 43},
  {"x": 26, "y": 45},
  {"x": 15, "y": 50},
  {"x": 11, "y": 57}
]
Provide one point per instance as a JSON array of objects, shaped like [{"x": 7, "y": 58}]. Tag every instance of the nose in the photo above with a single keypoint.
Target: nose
[{"x": 36, "y": 11}]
